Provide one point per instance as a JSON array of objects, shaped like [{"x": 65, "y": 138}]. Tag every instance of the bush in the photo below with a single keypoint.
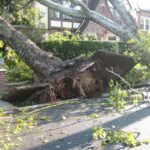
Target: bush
[
  {"x": 137, "y": 74},
  {"x": 17, "y": 70},
  {"x": 69, "y": 49},
  {"x": 141, "y": 71},
  {"x": 67, "y": 45},
  {"x": 64, "y": 45}
]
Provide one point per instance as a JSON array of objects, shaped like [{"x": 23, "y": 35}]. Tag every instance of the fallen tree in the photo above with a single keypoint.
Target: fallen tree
[
  {"x": 76, "y": 78},
  {"x": 71, "y": 78}
]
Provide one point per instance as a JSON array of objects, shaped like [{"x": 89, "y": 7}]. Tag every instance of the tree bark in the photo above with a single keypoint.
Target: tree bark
[
  {"x": 80, "y": 77},
  {"x": 41, "y": 62}
]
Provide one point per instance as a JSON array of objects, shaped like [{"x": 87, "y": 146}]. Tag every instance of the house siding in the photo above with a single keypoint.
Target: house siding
[{"x": 93, "y": 27}]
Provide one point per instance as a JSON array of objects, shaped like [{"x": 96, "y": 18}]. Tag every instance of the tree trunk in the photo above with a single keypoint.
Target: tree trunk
[
  {"x": 42, "y": 63},
  {"x": 77, "y": 78}
]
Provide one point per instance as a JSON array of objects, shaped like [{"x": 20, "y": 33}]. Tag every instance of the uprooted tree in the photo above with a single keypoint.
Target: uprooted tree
[{"x": 77, "y": 77}]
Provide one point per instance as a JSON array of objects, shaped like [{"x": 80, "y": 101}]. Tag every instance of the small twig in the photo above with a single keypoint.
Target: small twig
[{"x": 124, "y": 81}]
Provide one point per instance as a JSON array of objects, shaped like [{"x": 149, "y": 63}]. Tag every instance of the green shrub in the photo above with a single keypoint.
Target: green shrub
[
  {"x": 67, "y": 45},
  {"x": 70, "y": 49},
  {"x": 17, "y": 70},
  {"x": 141, "y": 71},
  {"x": 137, "y": 74}
]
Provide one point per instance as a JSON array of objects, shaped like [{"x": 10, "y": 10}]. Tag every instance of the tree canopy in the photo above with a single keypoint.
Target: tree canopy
[{"x": 20, "y": 12}]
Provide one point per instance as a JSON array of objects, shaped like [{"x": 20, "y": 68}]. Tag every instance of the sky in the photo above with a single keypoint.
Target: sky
[{"x": 142, "y": 3}]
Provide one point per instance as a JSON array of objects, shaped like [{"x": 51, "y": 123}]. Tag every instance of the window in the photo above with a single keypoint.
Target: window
[
  {"x": 145, "y": 24},
  {"x": 142, "y": 23},
  {"x": 112, "y": 38},
  {"x": 54, "y": 14},
  {"x": 67, "y": 17},
  {"x": 60, "y": 20}
]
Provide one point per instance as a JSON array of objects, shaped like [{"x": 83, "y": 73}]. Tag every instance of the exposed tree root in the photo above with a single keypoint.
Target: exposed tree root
[{"x": 76, "y": 78}]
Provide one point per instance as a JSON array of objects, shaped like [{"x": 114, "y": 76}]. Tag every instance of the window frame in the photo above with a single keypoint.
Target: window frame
[
  {"x": 144, "y": 24},
  {"x": 63, "y": 18}
]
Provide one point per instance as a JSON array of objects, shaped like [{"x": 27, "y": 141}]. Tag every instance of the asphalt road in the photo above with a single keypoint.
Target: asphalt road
[{"x": 69, "y": 126}]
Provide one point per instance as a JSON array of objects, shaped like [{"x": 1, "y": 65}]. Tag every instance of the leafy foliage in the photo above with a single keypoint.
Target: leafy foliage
[
  {"x": 29, "y": 17},
  {"x": 141, "y": 54},
  {"x": 12, "y": 6},
  {"x": 144, "y": 46},
  {"x": 137, "y": 74},
  {"x": 1, "y": 44},
  {"x": 17, "y": 70},
  {"x": 117, "y": 95},
  {"x": 115, "y": 137},
  {"x": 13, "y": 127},
  {"x": 67, "y": 45},
  {"x": 1, "y": 47}
]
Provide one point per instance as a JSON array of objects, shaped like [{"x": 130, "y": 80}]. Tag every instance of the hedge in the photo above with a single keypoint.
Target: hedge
[{"x": 70, "y": 49}]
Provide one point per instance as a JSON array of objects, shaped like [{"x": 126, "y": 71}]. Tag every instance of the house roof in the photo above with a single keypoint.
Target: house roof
[
  {"x": 140, "y": 4},
  {"x": 145, "y": 10}
]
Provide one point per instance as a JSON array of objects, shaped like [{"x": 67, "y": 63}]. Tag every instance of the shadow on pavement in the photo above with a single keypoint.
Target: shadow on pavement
[{"x": 83, "y": 140}]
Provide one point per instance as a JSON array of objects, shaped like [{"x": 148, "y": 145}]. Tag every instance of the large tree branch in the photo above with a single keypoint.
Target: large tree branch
[
  {"x": 104, "y": 21},
  {"x": 62, "y": 9},
  {"x": 117, "y": 29},
  {"x": 126, "y": 16}
]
